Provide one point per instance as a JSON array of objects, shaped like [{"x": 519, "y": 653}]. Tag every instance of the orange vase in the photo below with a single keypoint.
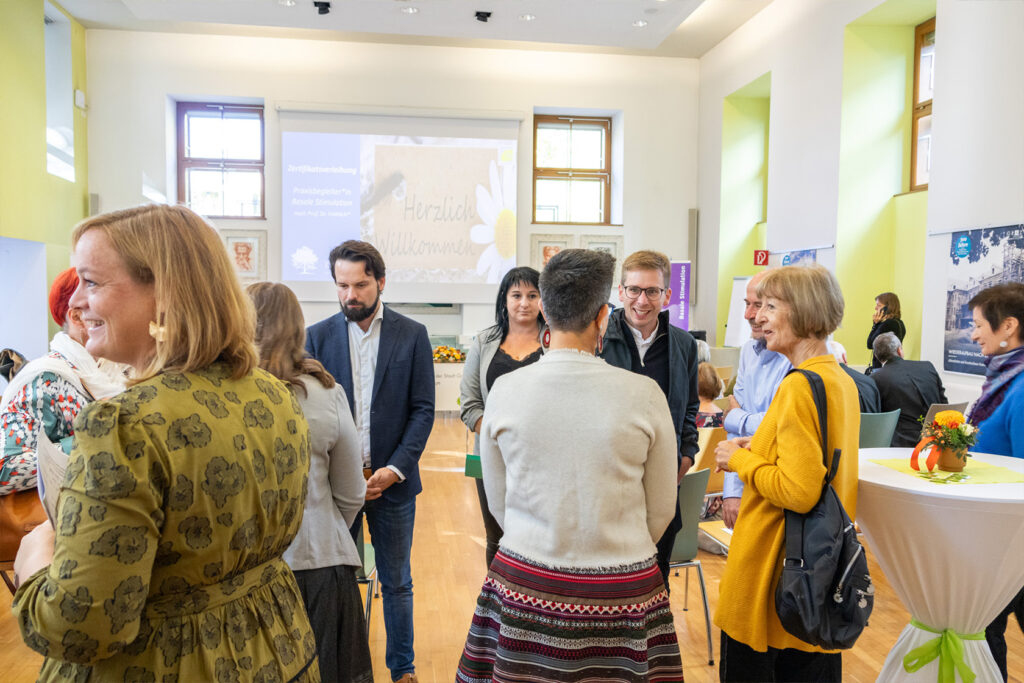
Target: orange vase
[{"x": 951, "y": 461}]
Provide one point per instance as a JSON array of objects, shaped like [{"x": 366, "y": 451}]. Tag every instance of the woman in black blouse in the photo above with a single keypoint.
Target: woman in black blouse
[
  {"x": 885, "y": 319},
  {"x": 511, "y": 343}
]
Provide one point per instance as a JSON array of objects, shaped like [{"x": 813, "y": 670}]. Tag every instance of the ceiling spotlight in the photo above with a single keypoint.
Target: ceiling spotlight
[
  {"x": 286, "y": 3},
  {"x": 527, "y": 17},
  {"x": 410, "y": 10},
  {"x": 322, "y": 7},
  {"x": 483, "y": 16},
  {"x": 639, "y": 23}
]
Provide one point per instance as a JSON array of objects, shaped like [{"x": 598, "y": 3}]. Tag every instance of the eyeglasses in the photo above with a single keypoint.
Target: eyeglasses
[{"x": 651, "y": 292}]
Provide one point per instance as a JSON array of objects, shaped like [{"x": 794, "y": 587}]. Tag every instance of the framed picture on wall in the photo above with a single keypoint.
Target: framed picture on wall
[
  {"x": 609, "y": 244},
  {"x": 543, "y": 247},
  {"x": 247, "y": 250}
]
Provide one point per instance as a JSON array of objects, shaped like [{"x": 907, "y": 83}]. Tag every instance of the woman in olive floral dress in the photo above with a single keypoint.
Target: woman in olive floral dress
[{"x": 181, "y": 493}]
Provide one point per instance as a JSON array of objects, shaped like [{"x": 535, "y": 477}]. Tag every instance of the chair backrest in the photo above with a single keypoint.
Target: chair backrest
[
  {"x": 691, "y": 499},
  {"x": 876, "y": 429},
  {"x": 367, "y": 561},
  {"x": 706, "y": 457},
  {"x": 725, "y": 355},
  {"x": 725, "y": 372},
  {"x": 936, "y": 408}
]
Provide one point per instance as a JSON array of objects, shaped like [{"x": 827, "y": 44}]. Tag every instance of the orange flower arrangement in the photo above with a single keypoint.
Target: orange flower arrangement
[
  {"x": 448, "y": 354},
  {"x": 949, "y": 431}
]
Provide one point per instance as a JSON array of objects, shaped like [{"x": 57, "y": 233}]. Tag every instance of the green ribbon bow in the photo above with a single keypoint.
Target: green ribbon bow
[{"x": 948, "y": 647}]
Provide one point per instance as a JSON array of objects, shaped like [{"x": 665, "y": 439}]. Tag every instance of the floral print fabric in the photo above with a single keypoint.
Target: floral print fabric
[
  {"x": 180, "y": 498},
  {"x": 46, "y": 407}
]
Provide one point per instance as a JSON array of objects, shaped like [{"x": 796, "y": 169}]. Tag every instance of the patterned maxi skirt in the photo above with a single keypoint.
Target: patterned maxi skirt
[{"x": 536, "y": 623}]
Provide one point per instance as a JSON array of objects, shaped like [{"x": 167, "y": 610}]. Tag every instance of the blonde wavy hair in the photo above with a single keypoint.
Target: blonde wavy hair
[
  {"x": 281, "y": 336},
  {"x": 199, "y": 301}
]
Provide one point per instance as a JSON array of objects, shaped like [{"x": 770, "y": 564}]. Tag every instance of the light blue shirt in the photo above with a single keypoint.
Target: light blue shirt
[{"x": 758, "y": 377}]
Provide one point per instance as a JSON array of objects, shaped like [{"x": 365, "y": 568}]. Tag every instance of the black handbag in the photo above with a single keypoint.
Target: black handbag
[{"x": 825, "y": 595}]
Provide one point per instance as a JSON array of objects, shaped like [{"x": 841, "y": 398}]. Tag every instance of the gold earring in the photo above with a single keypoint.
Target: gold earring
[{"x": 158, "y": 332}]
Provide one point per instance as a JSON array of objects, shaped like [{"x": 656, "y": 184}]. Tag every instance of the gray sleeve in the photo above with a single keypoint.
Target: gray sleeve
[
  {"x": 470, "y": 392},
  {"x": 345, "y": 470}
]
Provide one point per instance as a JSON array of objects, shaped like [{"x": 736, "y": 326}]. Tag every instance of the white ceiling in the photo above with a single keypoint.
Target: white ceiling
[{"x": 674, "y": 28}]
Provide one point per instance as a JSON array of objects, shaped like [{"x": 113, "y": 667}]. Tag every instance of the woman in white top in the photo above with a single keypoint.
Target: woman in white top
[
  {"x": 579, "y": 465},
  {"x": 323, "y": 555}
]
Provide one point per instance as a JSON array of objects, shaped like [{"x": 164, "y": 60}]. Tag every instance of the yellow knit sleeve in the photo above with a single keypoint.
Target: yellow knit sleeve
[{"x": 787, "y": 470}]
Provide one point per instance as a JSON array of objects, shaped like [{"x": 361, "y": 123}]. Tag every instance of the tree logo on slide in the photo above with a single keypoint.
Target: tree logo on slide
[{"x": 305, "y": 260}]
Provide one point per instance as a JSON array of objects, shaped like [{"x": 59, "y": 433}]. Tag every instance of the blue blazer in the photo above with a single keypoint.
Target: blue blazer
[{"x": 402, "y": 406}]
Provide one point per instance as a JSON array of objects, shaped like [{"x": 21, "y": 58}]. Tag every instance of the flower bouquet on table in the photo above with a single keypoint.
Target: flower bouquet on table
[
  {"x": 946, "y": 441},
  {"x": 448, "y": 354}
]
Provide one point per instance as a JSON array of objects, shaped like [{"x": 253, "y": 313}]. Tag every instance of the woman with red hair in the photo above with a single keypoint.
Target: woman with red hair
[{"x": 44, "y": 397}]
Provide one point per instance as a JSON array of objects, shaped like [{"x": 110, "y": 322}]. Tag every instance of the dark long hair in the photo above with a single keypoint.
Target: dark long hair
[
  {"x": 281, "y": 336},
  {"x": 523, "y": 275}
]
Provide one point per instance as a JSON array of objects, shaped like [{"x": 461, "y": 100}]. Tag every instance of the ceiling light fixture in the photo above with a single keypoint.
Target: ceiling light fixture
[
  {"x": 286, "y": 3},
  {"x": 639, "y": 23},
  {"x": 322, "y": 7},
  {"x": 410, "y": 10},
  {"x": 527, "y": 17},
  {"x": 483, "y": 16}
]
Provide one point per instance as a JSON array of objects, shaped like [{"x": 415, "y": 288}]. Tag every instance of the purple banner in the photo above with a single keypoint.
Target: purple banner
[{"x": 679, "y": 301}]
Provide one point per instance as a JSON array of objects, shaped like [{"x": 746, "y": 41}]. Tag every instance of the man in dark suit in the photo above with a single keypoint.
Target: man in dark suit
[
  {"x": 867, "y": 390},
  {"x": 383, "y": 361},
  {"x": 910, "y": 385}
]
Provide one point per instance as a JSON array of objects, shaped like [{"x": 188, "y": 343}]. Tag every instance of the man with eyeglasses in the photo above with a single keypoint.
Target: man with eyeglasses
[{"x": 640, "y": 339}]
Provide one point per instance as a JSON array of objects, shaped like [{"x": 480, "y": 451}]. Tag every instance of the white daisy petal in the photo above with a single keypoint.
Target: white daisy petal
[
  {"x": 487, "y": 260},
  {"x": 508, "y": 189},
  {"x": 495, "y": 186},
  {"x": 482, "y": 234},
  {"x": 485, "y": 206}
]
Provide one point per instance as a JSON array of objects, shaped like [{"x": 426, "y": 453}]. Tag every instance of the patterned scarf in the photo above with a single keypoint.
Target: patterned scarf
[{"x": 999, "y": 373}]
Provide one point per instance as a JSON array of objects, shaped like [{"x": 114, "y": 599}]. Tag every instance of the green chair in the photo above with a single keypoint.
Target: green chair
[
  {"x": 367, "y": 573},
  {"x": 876, "y": 429},
  {"x": 684, "y": 550}
]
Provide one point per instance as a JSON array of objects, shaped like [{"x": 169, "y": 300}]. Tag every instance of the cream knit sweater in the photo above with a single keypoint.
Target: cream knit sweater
[{"x": 579, "y": 462}]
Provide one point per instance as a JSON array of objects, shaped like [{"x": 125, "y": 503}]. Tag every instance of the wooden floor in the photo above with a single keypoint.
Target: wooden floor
[{"x": 448, "y": 568}]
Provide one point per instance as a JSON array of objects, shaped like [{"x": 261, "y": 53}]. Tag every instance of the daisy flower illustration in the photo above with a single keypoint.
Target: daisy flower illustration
[{"x": 497, "y": 211}]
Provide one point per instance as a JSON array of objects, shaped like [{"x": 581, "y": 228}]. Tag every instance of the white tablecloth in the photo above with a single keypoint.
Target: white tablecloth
[{"x": 954, "y": 553}]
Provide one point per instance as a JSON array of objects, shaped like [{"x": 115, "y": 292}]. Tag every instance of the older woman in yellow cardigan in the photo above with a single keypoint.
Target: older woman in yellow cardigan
[{"x": 781, "y": 468}]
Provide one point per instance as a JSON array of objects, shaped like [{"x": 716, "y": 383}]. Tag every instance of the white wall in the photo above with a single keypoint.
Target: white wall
[
  {"x": 131, "y": 74},
  {"x": 801, "y": 43},
  {"x": 977, "y": 177}
]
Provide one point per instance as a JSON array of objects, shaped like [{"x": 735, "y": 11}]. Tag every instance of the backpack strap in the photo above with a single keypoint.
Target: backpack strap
[
  {"x": 794, "y": 521},
  {"x": 818, "y": 393}
]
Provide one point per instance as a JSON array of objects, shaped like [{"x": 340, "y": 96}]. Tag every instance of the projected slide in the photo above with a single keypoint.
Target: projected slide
[{"x": 440, "y": 210}]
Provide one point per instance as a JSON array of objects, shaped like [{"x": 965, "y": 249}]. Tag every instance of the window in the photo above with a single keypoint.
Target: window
[
  {"x": 572, "y": 169},
  {"x": 220, "y": 159},
  {"x": 60, "y": 116},
  {"x": 921, "y": 129}
]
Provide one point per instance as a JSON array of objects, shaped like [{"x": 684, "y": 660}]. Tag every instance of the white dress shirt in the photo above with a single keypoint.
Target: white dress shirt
[
  {"x": 362, "y": 352},
  {"x": 643, "y": 344}
]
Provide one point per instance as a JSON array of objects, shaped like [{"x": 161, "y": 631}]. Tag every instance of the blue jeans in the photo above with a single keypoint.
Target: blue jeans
[{"x": 391, "y": 534}]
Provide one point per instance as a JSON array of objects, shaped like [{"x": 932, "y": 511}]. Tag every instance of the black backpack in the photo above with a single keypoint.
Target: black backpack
[{"x": 825, "y": 594}]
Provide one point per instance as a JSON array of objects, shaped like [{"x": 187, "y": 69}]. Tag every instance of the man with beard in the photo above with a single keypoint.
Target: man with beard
[
  {"x": 639, "y": 338},
  {"x": 383, "y": 361},
  {"x": 758, "y": 376}
]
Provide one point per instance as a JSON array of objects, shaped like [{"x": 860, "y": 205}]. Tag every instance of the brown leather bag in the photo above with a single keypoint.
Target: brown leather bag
[{"x": 20, "y": 513}]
